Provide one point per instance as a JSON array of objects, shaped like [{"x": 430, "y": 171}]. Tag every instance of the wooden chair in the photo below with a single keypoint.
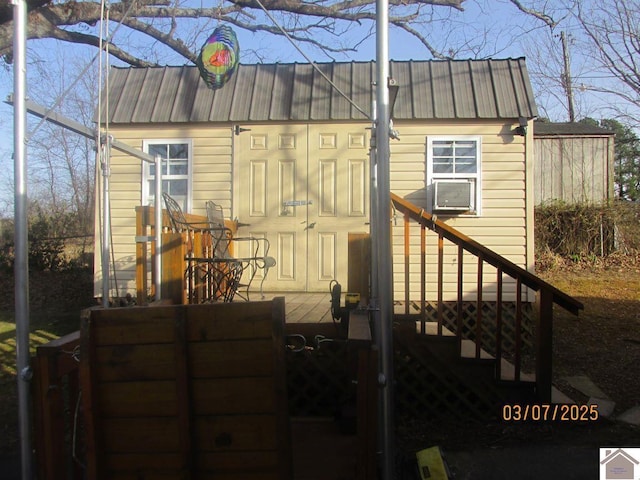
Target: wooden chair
[
  {"x": 257, "y": 250},
  {"x": 211, "y": 275}
]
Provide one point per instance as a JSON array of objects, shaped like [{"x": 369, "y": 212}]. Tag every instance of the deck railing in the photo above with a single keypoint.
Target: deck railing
[
  {"x": 177, "y": 287},
  {"x": 455, "y": 319}
]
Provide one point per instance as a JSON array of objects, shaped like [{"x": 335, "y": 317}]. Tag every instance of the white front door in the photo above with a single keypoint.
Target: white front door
[{"x": 304, "y": 188}]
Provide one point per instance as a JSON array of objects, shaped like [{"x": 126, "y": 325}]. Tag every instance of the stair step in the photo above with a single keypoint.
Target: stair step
[
  {"x": 468, "y": 352},
  {"x": 431, "y": 329},
  {"x": 507, "y": 369}
]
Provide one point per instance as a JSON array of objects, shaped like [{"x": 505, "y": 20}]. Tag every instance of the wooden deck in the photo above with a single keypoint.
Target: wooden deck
[{"x": 303, "y": 307}]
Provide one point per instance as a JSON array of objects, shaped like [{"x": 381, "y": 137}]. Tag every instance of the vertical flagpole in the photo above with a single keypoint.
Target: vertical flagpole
[
  {"x": 21, "y": 265},
  {"x": 105, "y": 148},
  {"x": 157, "y": 260},
  {"x": 383, "y": 234}
]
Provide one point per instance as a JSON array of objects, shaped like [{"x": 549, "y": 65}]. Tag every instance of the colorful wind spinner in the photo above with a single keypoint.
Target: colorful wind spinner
[{"x": 219, "y": 57}]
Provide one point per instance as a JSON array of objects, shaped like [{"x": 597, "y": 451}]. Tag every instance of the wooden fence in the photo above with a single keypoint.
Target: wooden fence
[
  {"x": 56, "y": 408},
  {"x": 197, "y": 389},
  {"x": 186, "y": 390}
]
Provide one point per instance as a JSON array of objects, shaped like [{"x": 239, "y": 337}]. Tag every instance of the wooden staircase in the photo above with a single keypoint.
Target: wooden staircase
[
  {"x": 453, "y": 380},
  {"x": 473, "y": 346}
]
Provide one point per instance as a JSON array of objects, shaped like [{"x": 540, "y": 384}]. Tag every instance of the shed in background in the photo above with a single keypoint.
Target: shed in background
[{"x": 573, "y": 163}]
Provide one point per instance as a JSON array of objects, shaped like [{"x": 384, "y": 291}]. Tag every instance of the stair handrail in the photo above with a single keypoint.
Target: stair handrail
[{"x": 455, "y": 236}]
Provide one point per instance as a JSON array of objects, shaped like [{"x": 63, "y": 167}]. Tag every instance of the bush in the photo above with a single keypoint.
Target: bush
[
  {"x": 46, "y": 250},
  {"x": 580, "y": 231},
  {"x": 6, "y": 245},
  {"x": 48, "y": 233}
]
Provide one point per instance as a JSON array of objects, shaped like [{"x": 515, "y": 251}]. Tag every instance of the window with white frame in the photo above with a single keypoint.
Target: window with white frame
[
  {"x": 454, "y": 174},
  {"x": 176, "y": 171}
]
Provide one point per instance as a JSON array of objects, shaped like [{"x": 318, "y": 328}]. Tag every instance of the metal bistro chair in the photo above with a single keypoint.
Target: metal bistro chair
[
  {"x": 223, "y": 239},
  {"x": 208, "y": 278}
]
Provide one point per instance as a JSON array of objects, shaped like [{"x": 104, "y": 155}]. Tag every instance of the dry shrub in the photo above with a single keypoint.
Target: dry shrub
[{"x": 587, "y": 236}]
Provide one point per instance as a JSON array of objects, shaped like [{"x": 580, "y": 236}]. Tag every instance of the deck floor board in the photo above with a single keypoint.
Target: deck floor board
[{"x": 305, "y": 307}]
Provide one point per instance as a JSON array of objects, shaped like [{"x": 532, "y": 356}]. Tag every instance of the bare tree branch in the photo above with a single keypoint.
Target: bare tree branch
[
  {"x": 419, "y": 36},
  {"x": 306, "y": 21},
  {"x": 75, "y": 37},
  {"x": 612, "y": 29},
  {"x": 539, "y": 15}
]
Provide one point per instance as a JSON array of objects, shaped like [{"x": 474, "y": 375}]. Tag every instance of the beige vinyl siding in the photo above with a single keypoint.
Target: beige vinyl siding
[
  {"x": 573, "y": 168},
  {"x": 502, "y": 225},
  {"x": 211, "y": 180}
]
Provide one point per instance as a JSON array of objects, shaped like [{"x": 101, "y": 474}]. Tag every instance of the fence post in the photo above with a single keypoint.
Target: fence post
[
  {"x": 173, "y": 268},
  {"x": 141, "y": 255},
  {"x": 49, "y": 417},
  {"x": 50, "y": 364},
  {"x": 365, "y": 357},
  {"x": 544, "y": 345}
]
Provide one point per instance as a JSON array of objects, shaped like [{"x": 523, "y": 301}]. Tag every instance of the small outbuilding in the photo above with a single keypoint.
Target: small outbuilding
[
  {"x": 574, "y": 162},
  {"x": 287, "y": 154}
]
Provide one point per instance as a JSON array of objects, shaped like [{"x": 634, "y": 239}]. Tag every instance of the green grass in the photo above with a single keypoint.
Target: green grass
[
  {"x": 56, "y": 300},
  {"x": 42, "y": 330}
]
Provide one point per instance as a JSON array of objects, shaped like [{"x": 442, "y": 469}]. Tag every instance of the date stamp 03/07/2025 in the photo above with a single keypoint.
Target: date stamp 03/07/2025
[{"x": 559, "y": 412}]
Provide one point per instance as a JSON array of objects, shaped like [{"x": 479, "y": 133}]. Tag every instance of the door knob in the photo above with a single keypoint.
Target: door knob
[{"x": 310, "y": 226}]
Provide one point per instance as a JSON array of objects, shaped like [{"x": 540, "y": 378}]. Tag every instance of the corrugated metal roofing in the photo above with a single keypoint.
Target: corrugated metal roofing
[
  {"x": 546, "y": 129},
  {"x": 434, "y": 89}
]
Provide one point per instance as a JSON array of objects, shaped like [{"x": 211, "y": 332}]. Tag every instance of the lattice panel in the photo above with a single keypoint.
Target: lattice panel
[
  {"x": 489, "y": 309},
  {"x": 319, "y": 385},
  {"x": 427, "y": 389},
  {"x": 317, "y": 379}
]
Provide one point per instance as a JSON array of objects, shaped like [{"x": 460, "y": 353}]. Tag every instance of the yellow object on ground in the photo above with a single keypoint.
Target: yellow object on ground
[{"x": 431, "y": 465}]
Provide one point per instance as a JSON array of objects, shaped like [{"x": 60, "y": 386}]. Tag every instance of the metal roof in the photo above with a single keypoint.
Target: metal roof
[
  {"x": 433, "y": 89},
  {"x": 552, "y": 129}
]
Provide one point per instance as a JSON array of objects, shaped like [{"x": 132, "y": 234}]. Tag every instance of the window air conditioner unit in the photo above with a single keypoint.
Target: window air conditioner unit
[{"x": 455, "y": 195}]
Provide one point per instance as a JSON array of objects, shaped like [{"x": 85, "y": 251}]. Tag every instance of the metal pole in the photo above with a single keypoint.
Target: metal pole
[
  {"x": 106, "y": 220},
  {"x": 21, "y": 265},
  {"x": 566, "y": 77},
  {"x": 105, "y": 144},
  {"x": 374, "y": 221},
  {"x": 157, "y": 264},
  {"x": 385, "y": 267}
]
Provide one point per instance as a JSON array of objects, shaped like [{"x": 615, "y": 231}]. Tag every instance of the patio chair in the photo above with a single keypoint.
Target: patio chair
[
  {"x": 211, "y": 275},
  {"x": 257, "y": 250}
]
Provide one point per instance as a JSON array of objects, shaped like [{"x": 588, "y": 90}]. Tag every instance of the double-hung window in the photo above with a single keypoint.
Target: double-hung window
[
  {"x": 454, "y": 174},
  {"x": 176, "y": 171}
]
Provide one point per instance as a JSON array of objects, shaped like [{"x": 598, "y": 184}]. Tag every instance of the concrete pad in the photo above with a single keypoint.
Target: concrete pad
[
  {"x": 524, "y": 463},
  {"x": 605, "y": 406},
  {"x": 631, "y": 416},
  {"x": 583, "y": 384},
  {"x": 560, "y": 397}
]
